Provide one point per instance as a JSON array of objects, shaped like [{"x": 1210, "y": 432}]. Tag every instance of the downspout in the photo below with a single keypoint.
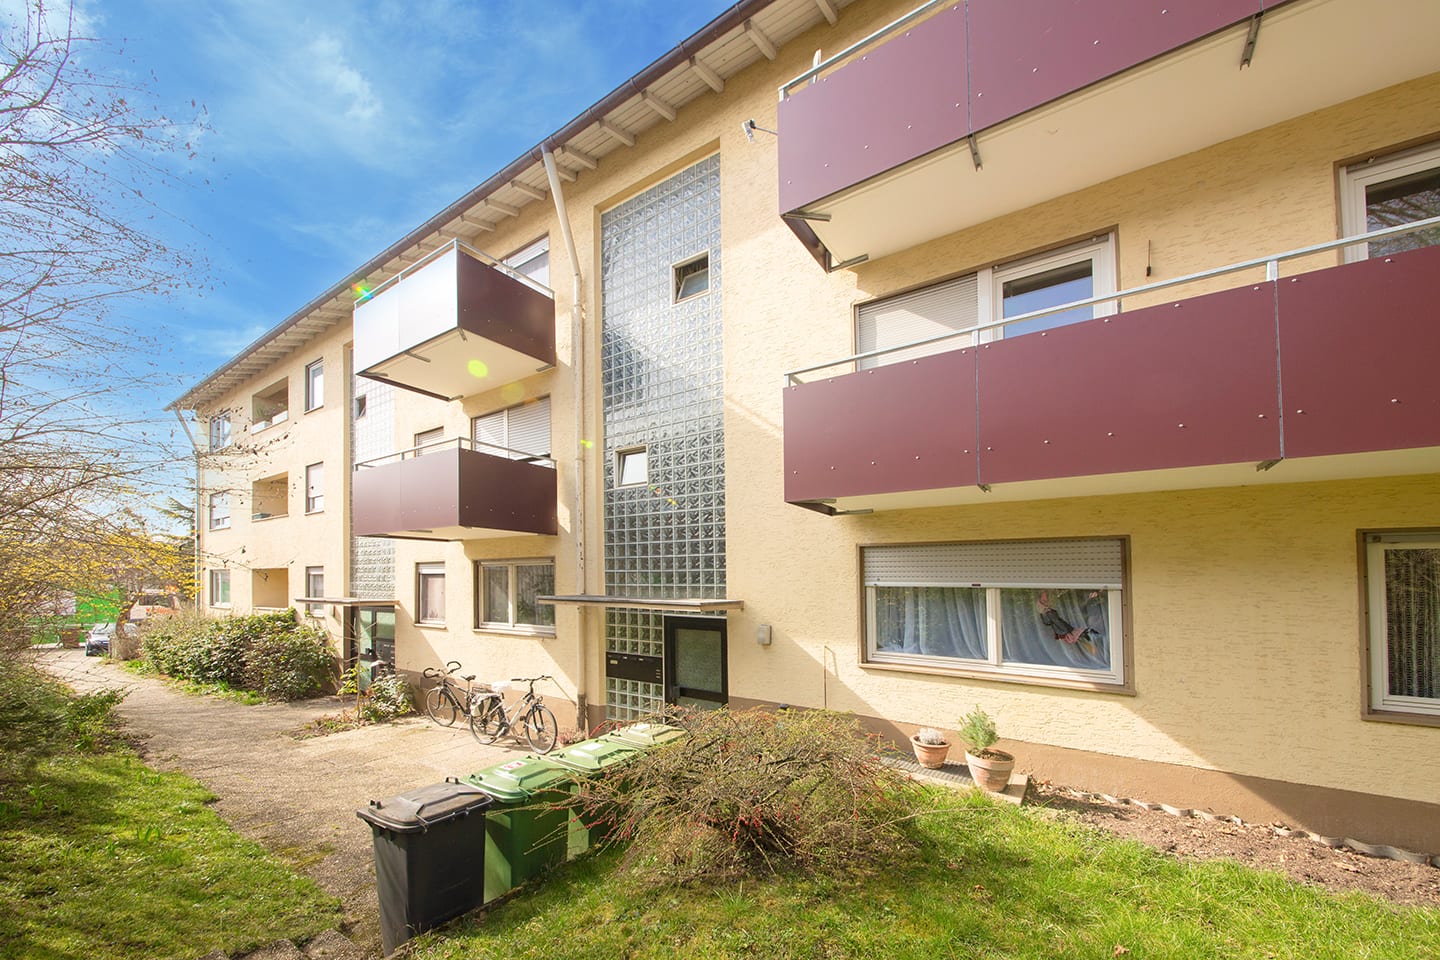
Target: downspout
[
  {"x": 577, "y": 355},
  {"x": 194, "y": 533}
]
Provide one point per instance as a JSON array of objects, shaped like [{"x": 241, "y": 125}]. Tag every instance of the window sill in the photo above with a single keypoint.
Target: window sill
[
  {"x": 318, "y": 406},
  {"x": 262, "y": 517},
  {"x": 1123, "y": 690},
  {"x": 430, "y": 624},
  {"x": 215, "y": 529},
  {"x": 505, "y": 630},
  {"x": 1402, "y": 717},
  {"x": 311, "y": 513}
]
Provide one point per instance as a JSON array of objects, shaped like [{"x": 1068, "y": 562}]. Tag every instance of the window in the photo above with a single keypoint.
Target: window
[
  {"x": 315, "y": 587},
  {"x": 428, "y": 438},
  {"x": 430, "y": 593},
  {"x": 632, "y": 466},
  {"x": 1073, "y": 273},
  {"x": 219, "y": 588},
  {"x": 533, "y": 261},
  {"x": 315, "y": 488},
  {"x": 219, "y": 432},
  {"x": 1043, "y": 609},
  {"x": 1387, "y": 192},
  {"x": 520, "y": 433},
  {"x": 1403, "y": 574},
  {"x": 360, "y": 405},
  {"x": 505, "y": 594},
  {"x": 314, "y": 385},
  {"x": 219, "y": 511},
  {"x": 270, "y": 406},
  {"x": 691, "y": 278}
]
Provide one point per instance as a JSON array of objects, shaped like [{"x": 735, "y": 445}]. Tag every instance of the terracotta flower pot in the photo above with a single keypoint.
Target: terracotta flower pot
[
  {"x": 930, "y": 755},
  {"x": 991, "y": 770}
]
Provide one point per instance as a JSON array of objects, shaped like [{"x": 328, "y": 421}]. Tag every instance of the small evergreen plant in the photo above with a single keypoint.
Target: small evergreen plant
[{"x": 977, "y": 731}]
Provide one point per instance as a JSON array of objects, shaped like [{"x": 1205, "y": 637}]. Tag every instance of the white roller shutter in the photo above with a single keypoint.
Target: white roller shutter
[
  {"x": 1018, "y": 563},
  {"x": 524, "y": 429},
  {"x": 533, "y": 261},
  {"x": 943, "y": 308}
]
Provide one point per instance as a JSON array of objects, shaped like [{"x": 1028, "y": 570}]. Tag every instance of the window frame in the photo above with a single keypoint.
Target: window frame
[
  {"x": 1379, "y": 702},
  {"x": 1355, "y": 177},
  {"x": 212, "y": 521},
  {"x": 215, "y": 577},
  {"x": 497, "y": 626},
  {"x": 314, "y": 385},
  {"x": 315, "y": 609},
  {"x": 426, "y": 572},
  {"x": 227, "y": 435},
  {"x": 504, "y": 449},
  {"x": 678, "y": 276},
  {"x": 1118, "y": 679},
  {"x": 620, "y": 457},
  {"x": 314, "y": 503}
]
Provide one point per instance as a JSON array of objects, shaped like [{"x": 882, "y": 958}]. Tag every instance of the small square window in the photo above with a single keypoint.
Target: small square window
[
  {"x": 430, "y": 593},
  {"x": 315, "y": 587},
  {"x": 632, "y": 467},
  {"x": 219, "y": 588},
  {"x": 692, "y": 277},
  {"x": 360, "y": 407}
]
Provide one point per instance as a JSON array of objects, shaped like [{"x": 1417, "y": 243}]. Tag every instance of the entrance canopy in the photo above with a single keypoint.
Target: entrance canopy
[{"x": 702, "y": 605}]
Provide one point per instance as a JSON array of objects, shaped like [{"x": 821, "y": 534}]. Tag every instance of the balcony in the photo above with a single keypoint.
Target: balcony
[
  {"x": 454, "y": 490},
  {"x": 963, "y": 112},
  {"x": 456, "y": 323},
  {"x": 1322, "y": 375}
]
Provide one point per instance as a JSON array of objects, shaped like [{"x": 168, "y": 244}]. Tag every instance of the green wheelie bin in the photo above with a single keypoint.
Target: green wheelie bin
[
  {"x": 526, "y": 827},
  {"x": 646, "y": 736},
  {"x": 592, "y": 758}
]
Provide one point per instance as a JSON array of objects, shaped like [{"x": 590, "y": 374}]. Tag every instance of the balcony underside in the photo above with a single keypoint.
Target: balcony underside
[
  {"x": 877, "y": 155},
  {"x": 1326, "y": 375},
  {"x": 454, "y": 495}
]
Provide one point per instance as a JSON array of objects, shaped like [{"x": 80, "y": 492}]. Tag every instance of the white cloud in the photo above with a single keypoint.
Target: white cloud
[{"x": 345, "y": 81}]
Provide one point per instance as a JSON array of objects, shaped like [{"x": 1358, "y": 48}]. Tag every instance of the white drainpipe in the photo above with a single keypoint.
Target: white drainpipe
[{"x": 577, "y": 353}]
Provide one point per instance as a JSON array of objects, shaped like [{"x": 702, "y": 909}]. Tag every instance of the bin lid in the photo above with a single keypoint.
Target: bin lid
[
  {"x": 419, "y": 810},
  {"x": 593, "y": 756},
  {"x": 519, "y": 781},
  {"x": 647, "y": 734}
]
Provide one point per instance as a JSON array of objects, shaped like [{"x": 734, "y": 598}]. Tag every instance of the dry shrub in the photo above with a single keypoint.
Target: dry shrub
[{"x": 754, "y": 792}]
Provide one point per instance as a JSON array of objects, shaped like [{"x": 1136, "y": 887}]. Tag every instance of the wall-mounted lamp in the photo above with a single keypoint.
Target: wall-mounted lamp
[
  {"x": 749, "y": 126},
  {"x": 762, "y": 635}
]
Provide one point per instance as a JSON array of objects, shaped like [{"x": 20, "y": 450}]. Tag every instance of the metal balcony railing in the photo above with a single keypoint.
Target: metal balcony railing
[
  {"x": 809, "y": 76},
  {"x": 457, "y": 443},
  {"x": 462, "y": 246}
]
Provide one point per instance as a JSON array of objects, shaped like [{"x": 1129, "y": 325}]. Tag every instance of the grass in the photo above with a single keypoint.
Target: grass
[
  {"x": 102, "y": 857},
  {"x": 224, "y": 691},
  {"x": 991, "y": 881}
]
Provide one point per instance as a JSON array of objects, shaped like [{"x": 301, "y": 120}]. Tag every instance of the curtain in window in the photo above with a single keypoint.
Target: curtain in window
[
  {"x": 931, "y": 621},
  {"x": 1056, "y": 627},
  {"x": 1412, "y": 619}
]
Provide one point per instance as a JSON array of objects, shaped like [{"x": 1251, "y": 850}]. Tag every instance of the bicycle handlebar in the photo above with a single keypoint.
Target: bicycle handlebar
[
  {"x": 430, "y": 673},
  {"x": 529, "y": 679}
]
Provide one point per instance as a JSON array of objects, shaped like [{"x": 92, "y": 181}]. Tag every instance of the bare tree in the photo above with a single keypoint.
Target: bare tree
[{"x": 82, "y": 155}]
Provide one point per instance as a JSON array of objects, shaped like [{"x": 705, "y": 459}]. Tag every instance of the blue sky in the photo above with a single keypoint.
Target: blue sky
[{"x": 335, "y": 127}]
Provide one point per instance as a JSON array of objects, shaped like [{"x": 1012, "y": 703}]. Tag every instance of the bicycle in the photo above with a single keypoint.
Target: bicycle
[
  {"x": 490, "y": 721},
  {"x": 443, "y": 701}
]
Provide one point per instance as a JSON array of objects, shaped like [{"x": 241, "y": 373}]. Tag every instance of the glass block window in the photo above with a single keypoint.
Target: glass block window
[
  {"x": 372, "y": 434},
  {"x": 639, "y": 632},
  {"x": 627, "y": 700}
]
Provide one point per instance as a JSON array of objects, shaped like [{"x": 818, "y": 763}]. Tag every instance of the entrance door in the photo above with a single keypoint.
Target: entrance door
[
  {"x": 370, "y": 641},
  {"x": 695, "y": 662}
]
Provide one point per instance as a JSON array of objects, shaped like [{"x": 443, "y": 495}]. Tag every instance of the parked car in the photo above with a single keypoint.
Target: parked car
[{"x": 97, "y": 641}]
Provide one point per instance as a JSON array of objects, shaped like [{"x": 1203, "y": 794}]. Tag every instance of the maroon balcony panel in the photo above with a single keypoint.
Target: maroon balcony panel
[
  {"x": 1040, "y": 50},
  {"x": 906, "y": 426},
  {"x": 1176, "y": 385},
  {"x": 451, "y": 489},
  {"x": 898, "y": 100},
  {"x": 497, "y": 307},
  {"x": 1360, "y": 351}
]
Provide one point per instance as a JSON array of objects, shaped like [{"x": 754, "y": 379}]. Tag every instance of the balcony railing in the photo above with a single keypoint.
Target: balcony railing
[
  {"x": 1309, "y": 370},
  {"x": 455, "y": 489}
]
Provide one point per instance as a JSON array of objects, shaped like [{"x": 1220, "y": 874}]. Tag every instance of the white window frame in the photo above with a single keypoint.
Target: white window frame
[
  {"x": 678, "y": 276},
  {"x": 426, "y": 573},
  {"x": 622, "y": 456},
  {"x": 1381, "y": 699},
  {"x": 314, "y": 609},
  {"x": 315, "y": 385},
  {"x": 994, "y": 664},
  {"x": 520, "y": 261},
  {"x": 1355, "y": 177},
  {"x": 510, "y": 624},
  {"x": 428, "y": 438},
  {"x": 989, "y": 295},
  {"x": 220, "y": 432},
  {"x": 213, "y": 581},
  {"x": 504, "y": 415},
  {"x": 315, "y": 502},
  {"x": 222, "y": 521}
]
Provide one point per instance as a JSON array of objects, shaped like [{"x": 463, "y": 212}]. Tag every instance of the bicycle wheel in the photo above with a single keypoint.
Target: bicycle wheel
[
  {"x": 487, "y": 721},
  {"x": 541, "y": 729},
  {"x": 442, "y": 707}
]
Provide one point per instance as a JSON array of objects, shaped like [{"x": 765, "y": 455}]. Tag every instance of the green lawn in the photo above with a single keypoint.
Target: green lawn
[
  {"x": 102, "y": 857},
  {"x": 993, "y": 882}
]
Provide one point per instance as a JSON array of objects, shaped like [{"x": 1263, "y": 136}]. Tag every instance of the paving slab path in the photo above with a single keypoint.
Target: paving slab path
[{"x": 296, "y": 797}]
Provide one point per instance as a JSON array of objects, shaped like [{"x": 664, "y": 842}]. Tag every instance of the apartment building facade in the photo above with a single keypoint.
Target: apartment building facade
[{"x": 947, "y": 424}]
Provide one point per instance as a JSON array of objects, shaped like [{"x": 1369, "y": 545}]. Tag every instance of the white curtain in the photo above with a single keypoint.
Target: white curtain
[
  {"x": 1412, "y": 617},
  {"x": 932, "y": 621}
]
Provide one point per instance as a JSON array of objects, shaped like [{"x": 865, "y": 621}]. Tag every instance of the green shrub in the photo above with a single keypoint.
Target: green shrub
[
  {"x": 271, "y": 653},
  {"x": 977, "y": 731},
  {"x": 387, "y": 698},
  {"x": 755, "y": 792}
]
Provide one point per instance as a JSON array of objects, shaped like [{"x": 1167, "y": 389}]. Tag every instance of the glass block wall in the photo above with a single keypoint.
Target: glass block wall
[
  {"x": 662, "y": 389},
  {"x": 372, "y": 434}
]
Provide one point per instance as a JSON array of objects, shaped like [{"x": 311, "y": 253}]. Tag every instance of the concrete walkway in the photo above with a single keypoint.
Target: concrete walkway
[{"x": 296, "y": 797}]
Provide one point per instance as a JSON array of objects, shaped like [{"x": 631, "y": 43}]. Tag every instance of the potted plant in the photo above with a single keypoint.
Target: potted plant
[
  {"x": 930, "y": 748},
  {"x": 989, "y": 768}
]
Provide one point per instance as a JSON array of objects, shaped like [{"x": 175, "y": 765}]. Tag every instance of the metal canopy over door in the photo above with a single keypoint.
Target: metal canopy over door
[
  {"x": 370, "y": 641},
  {"x": 696, "y": 672}
]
